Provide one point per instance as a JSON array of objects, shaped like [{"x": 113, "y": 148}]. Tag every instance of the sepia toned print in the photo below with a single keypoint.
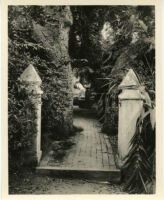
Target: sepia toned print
[{"x": 82, "y": 99}]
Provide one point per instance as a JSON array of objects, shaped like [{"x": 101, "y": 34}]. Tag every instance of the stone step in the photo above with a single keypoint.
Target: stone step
[{"x": 111, "y": 175}]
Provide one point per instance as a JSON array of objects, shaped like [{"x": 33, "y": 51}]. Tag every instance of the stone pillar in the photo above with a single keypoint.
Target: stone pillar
[
  {"x": 130, "y": 108},
  {"x": 31, "y": 81}
]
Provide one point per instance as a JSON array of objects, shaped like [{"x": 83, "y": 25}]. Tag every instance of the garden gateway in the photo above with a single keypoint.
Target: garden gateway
[{"x": 99, "y": 132}]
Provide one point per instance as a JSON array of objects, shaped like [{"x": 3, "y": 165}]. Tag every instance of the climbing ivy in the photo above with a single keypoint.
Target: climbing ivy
[{"x": 24, "y": 49}]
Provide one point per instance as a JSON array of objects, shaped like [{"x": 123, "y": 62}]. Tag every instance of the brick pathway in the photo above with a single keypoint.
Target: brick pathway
[{"x": 92, "y": 149}]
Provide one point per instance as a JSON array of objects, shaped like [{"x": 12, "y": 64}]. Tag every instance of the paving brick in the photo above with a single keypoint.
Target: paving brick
[{"x": 91, "y": 150}]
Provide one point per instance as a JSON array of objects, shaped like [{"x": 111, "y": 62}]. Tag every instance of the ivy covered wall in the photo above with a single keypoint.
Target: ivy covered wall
[{"x": 39, "y": 35}]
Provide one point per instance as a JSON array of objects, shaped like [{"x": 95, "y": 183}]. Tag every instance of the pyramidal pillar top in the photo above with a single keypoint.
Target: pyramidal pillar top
[
  {"x": 31, "y": 80},
  {"x": 130, "y": 86},
  {"x": 30, "y": 75}
]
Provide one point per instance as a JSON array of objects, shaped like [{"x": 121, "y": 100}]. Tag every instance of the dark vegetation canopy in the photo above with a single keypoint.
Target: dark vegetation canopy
[{"x": 113, "y": 39}]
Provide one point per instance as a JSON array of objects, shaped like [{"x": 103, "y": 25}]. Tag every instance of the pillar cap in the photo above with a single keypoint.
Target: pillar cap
[
  {"x": 130, "y": 81},
  {"x": 131, "y": 87},
  {"x": 127, "y": 94},
  {"x": 30, "y": 75}
]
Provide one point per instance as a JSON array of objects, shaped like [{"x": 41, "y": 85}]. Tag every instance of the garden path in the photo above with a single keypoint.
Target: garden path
[{"x": 90, "y": 155}]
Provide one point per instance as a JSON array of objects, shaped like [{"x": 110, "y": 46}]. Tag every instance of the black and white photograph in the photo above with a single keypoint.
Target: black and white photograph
[{"x": 81, "y": 99}]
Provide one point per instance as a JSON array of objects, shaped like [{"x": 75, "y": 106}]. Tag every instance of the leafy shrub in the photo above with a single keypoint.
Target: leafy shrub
[
  {"x": 21, "y": 120},
  {"x": 139, "y": 168}
]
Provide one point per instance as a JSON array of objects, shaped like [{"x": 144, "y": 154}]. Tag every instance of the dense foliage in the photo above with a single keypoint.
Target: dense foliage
[
  {"x": 21, "y": 130},
  {"x": 26, "y": 47},
  {"x": 114, "y": 38}
]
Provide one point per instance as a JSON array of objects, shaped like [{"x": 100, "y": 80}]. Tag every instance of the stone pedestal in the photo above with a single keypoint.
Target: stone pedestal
[
  {"x": 130, "y": 108},
  {"x": 31, "y": 81}
]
